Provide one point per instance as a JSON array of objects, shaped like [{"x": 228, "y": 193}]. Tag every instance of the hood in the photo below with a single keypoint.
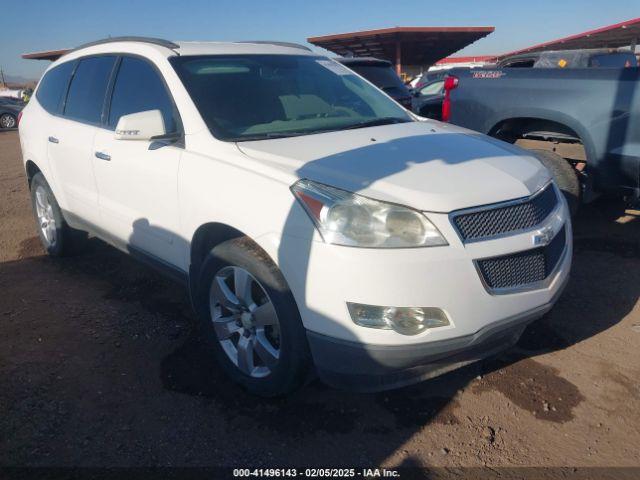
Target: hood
[{"x": 426, "y": 165}]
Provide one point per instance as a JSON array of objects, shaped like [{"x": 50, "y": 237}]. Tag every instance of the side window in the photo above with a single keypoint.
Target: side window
[
  {"x": 527, "y": 63},
  {"x": 614, "y": 60},
  {"x": 139, "y": 88},
  {"x": 88, "y": 88},
  {"x": 434, "y": 88},
  {"x": 53, "y": 86}
]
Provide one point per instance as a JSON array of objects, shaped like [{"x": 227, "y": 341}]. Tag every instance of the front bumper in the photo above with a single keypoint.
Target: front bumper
[
  {"x": 367, "y": 368},
  {"x": 323, "y": 278}
]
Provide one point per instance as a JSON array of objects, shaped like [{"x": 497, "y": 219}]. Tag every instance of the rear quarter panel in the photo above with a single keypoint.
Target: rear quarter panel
[{"x": 33, "y": 128}]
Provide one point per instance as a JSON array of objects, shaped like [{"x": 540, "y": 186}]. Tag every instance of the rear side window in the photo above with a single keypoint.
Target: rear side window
[
  {"x": 383, "y": 77},
  {"x": 614, "y": 60},
  {"x": 53, "y": 86},
  {"x": 139, "y": 88},
  {"x": 523, "y": 63},
  {"x": 88, "y": 88}
]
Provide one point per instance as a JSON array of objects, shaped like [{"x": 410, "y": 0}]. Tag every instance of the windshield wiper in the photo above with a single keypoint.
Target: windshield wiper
[
  {"x": 265, "y": 136},
  {"x": 376, "y": 122},
  {"x": 273, "y": 135}
]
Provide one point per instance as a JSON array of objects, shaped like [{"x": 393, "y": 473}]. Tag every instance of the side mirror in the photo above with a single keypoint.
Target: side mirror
[
  {"x": 416, "y": 93},
  {"x": 140, "y": 126}
]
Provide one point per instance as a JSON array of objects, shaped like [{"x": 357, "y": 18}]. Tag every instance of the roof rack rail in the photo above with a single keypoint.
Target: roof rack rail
[
  {"x": 280, "y": 44},
  {"x": 154, "y": 41}
]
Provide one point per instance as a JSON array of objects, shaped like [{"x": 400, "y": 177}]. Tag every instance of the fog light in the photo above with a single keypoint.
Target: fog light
[{"x": 404, "y": 320}]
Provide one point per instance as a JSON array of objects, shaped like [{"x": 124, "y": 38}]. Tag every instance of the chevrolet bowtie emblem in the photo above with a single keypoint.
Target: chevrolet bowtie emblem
[{"x": 543, "y": 236}]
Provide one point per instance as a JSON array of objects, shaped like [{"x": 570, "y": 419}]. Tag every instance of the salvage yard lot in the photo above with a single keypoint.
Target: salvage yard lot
[{"x": 98, "y": 367}]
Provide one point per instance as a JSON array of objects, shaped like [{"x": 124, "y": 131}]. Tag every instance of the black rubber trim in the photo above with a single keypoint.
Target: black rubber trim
[
  {"x": 363, "y": 367},
  {"x": 171, "y": 271}
]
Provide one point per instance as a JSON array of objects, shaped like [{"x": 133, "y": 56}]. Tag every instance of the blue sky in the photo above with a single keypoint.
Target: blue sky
[{"x": 41, "y": 25}]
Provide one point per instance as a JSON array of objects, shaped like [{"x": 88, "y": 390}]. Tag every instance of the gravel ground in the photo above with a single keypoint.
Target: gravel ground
[{"x": 98, "y": 367}]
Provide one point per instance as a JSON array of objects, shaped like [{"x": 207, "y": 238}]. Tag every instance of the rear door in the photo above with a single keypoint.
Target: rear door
[
  {"x": 36, "y": 134},
  {"x": 71, "y": 135},
  {"x": 137, "y": 179}
]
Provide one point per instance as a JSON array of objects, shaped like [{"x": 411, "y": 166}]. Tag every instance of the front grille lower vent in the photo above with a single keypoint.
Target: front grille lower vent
[{"x": 522, "y": 269}]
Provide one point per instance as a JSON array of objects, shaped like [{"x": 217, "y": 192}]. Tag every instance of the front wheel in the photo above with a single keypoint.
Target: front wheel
[
  {"x": 248, "y": 317},
  {"x": 564, "y": 175}
]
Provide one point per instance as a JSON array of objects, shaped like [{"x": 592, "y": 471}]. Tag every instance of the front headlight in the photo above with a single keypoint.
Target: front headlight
[{"x": 344, "y": 218}]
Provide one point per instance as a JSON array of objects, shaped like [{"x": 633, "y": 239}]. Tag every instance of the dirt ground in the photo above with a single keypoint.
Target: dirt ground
[{"x": 98, "y": 367}]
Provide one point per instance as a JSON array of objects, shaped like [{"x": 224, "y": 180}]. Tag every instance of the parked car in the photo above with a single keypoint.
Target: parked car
[
  {"x": 585, "y": 58},
  {"x": 382, "y": 74},
  {"x": 316, "y": 224},
  {"x": 583, "y": 123},
  {"x": 427, "y": 77},
  {"x": 9, "y": 111},
  {"x": 427, "y": 100},
  {"x": 12, "y": 101}
]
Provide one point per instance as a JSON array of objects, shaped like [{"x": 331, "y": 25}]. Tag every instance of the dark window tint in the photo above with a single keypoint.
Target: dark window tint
[
  {"x": 139, "y": 88},
  {"x": 53, "y": 86},
  {"x": 614, "y": 60},
  {"x": 251, "y": 97},
  {"x": 526, "y": 63},
  {"x": 88, "y": 88},
  {"x": 383, "y": 77}
]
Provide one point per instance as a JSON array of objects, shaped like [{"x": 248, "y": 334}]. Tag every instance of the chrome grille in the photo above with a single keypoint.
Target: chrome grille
[
  {"x": 522, "y": 269},
  {"x": 506, "y": 218}
]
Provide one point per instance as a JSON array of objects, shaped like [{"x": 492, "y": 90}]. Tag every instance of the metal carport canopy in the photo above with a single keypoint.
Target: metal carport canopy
[
  {"x": 51, "y": 55},
  {"x": 623, "y": 34},
  {"x": 403, "y": 45}
]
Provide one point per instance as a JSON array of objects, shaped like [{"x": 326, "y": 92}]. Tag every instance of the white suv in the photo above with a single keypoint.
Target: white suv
[{"x": 318, "y": 225}]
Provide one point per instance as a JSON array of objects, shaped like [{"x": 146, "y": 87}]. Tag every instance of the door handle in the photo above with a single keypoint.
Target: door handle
[
  {"x": 103, "y": 156},
  {"x": 54, "y": 140}
]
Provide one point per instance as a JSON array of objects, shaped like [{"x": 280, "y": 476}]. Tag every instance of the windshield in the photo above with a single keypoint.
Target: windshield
[{"x": 253, "y": 97}]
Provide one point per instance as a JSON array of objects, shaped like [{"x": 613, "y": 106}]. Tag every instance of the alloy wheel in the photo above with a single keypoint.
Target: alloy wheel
[
  {"x": 46, "y": 219},
  {"x": 7, "y": 121},
  {"x": 245, "y": 321}
]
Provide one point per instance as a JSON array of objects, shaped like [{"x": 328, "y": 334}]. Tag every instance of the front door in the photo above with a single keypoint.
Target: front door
[{"x": 137, "y": 179}]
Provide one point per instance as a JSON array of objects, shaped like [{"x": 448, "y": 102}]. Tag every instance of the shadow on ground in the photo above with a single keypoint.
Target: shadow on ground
[{"x": 173, "y": 406}]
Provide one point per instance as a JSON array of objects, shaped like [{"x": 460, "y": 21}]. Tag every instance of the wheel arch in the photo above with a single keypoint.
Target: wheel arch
[
  {"x": 206, "y": 237},
  {"x": 31, "y": 169},
  {"x": 514, "y": 128},
  {"x": 522, "y": 125}
]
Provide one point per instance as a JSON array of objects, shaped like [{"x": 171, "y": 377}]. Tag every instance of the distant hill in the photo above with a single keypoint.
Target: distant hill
[{"x": 18, "y": 79}]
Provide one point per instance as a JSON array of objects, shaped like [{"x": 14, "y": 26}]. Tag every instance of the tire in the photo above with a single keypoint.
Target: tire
[
  {"x": 261, "y": 372},
  {"x": 57, "y": 238},
  {"x": 564, "y": 175},
  {"x": 7, "y": 121}
]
